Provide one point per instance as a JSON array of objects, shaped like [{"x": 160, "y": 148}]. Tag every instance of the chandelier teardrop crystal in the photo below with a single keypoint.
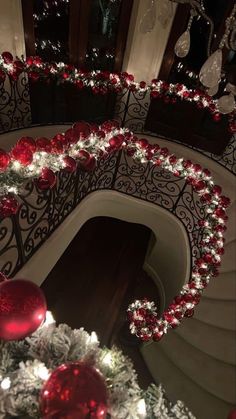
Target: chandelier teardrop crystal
[
  {"x": 182, "y": 45},
  {"x": 210, "y": 72},
  {"x": 226, "y": 103}
]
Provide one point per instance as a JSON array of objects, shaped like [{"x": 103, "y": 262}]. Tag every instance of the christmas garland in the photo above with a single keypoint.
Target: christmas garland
[
  {"x": 83, "y": 145},
  {"x": 102, "y": 82},
  {"x": 27, "y": 366}
]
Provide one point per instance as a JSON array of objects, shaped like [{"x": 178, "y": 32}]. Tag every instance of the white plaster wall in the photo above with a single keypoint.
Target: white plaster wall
[
  {"x": 144, "y": 52},
  {"x": 11, "y": 27}
]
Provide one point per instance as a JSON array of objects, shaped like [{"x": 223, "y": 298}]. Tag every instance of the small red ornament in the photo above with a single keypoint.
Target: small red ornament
[
  {"x": 74, "y": 391},
  {"x": 57, "y": 146},
  {"x": 4, "y": 160},
  {"x": 8, "y": 206},
  {"x": 232, "y": 414},
  {"x": 43, "y": 144},
  {"x": 22, "y": 154},
  {"x": 22, "y": 309},
  {"x": 7, "y": 57},
  {"x": 81, "y": 129},
  {"x": 217, "y": 117},
  {"x": 116, "y": 142},
  {"x": 70, "y": 164},
  {"x": 47, "y": 180},
  {"x": 33, "y": 75},
  {"x": 27, "y": 142}
]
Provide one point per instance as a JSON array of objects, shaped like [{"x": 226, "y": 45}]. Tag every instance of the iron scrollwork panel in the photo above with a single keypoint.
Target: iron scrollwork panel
[
  {"x": 10, "y": 257},
  {"x": 190, "y": 211},
  {"x": 14, "y": 103},
  {"x": 148, "y": 182},
  {"x": 132, "y": 108},
  {"x": 42, "y": 211}
]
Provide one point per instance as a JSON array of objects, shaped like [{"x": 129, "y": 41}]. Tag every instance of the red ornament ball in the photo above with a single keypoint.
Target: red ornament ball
[
  {"x": 8, "y": 206},
  {"x": 4, "y": 160},
  {"x": 27, "y": 142},
  {"x": 22, "y": 309},
  {"x": 76, "y": 391},
  {"x": 47, "y": 180},
  {"x": 232, "y": 414},
  {"x": 22, "y": 154},
  {"x": 7, "y": 57},
  {"x": 43, "y": 144},
  {"x": 70, "y": 164}
]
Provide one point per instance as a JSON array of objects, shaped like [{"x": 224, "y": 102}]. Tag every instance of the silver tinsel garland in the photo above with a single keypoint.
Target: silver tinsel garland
[{"x": 26, "y": 364}]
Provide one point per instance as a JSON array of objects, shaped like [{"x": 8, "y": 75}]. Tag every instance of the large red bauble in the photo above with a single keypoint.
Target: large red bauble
[
  {"x": 74, "y": 391},
  {"x": 47, "y": 180},
  {"x": 43, "y": 144},
  {"x": 22, "y": 153},
  {"x": 7, "y": 57},
  {"x": 232, "y": 414},
  {"x": 4, "y": 160},
  {"x": 82, "y": 129},
  {"x": 22, "y": 309},
  {"x": 27, "y": 142}
]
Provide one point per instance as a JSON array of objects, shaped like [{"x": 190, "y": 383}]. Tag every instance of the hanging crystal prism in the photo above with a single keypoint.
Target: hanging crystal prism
[
  {"x": 148, "y": 20},
  {"x": 165, "y": 11},
  {"x": 226, "y": 103},
  {"x": 210, "y": 72},
  {"x": 213, "y": 90},
  {"x": 182, "y": 46}
]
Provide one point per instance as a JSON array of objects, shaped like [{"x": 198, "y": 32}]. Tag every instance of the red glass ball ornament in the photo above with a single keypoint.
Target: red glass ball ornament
[
  {"x": 27, "y": 142},
  {"x": 70, "y": 164},
  {"x": 232, "y": 414},
  {"x": 43, "y": 144},
  {"x": 116, "y": 142},
  {"x": 81, "y": 129},
  {"x": 4, "y": 160},
  {"x": 71, "y": 136},
  {"x": 74, "y": 391},
  {"x": 7, "y": 57},
  {"x": 22, "y": 154},
  {"x": 47, "y": 180},
  {"x": 33, "y": 75},
  {"x": 57, "y": 146},
  {"x": 8, "y": 206},
  {"x": 22, "y": 309}
]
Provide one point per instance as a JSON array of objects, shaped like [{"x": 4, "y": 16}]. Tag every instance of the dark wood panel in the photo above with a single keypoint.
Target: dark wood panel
[
  {"x": 125, "y": 14},
  {"x": 184, "y": 122},
  {"x": 28, "y": 22},
  {"x": 78, "y": 36}
]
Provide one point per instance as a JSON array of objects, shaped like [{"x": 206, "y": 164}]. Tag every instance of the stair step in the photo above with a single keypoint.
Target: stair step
[
  {"x": 222, "y": 288},
  {"x": 179, "y": 386},
  {"x": 217, "y": 313},
  {"x": 228, "y": 259},
  {"x": 205, "y": 371},
  {"x": 215, "y": 342}
]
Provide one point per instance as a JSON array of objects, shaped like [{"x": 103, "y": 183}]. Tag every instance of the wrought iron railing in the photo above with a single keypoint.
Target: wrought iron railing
[
  {"x": 41, "y": 212},
  {"x": 131, "y": 110}
]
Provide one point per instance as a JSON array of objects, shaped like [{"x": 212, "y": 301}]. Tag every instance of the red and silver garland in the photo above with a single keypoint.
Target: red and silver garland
[
  {"x": 83, "y": 145},
  {"x": 102, "y": 82}
]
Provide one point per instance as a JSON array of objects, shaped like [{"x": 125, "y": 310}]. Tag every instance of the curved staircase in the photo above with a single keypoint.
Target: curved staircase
[{"x": 196, "y": 362}]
